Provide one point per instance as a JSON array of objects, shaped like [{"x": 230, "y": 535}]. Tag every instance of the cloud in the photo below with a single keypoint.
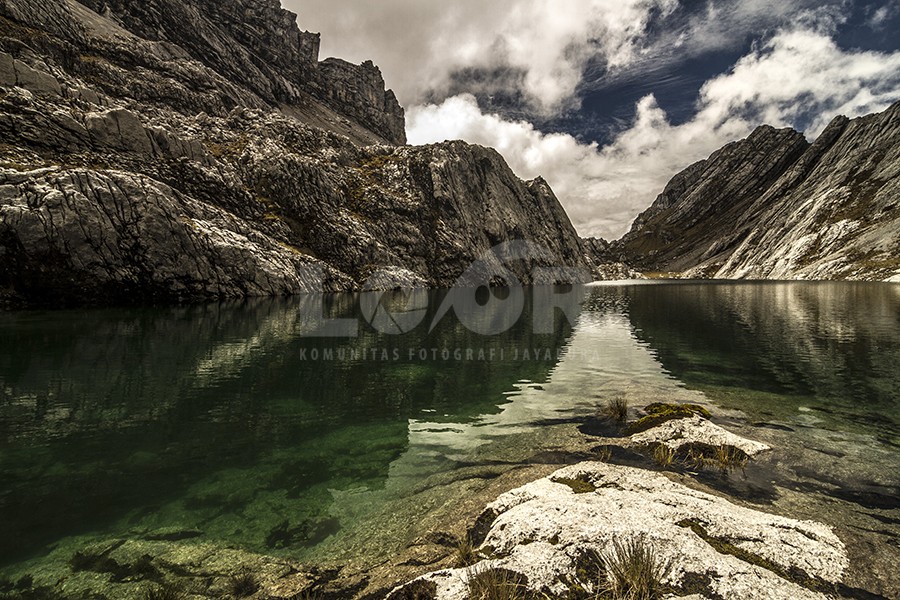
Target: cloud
[
  {"x": 803, "y": 75},
  {"x": 420, "y": 45},
  {"x": 879, "y": 16},
  {"x": 798, "y": 78}
]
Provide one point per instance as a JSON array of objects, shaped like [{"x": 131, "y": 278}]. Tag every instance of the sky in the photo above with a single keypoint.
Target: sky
[{"x": 608, "y": 99}]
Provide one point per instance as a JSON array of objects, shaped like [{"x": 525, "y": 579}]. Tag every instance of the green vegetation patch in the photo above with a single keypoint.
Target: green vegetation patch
[
  {"x": 659, "y": 412},
  {"x": 579, "y": 486}
]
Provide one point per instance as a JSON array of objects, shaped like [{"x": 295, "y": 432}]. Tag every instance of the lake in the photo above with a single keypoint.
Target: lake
[{"x": 242, "y": 424}]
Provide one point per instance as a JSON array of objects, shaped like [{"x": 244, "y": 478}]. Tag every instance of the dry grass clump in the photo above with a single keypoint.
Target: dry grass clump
[
  {"x": 497, "y": 584},
  {"x": 664, "y": 456},
  {"x": 724, "y": 457},
  {"x": 466, "y": 554},
  {"x": 635, "y": 571},
  {"x": 616, "y": 409}
]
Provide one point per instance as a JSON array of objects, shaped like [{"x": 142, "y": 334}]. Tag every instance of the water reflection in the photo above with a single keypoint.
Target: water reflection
[
  {"x": 233, "y": 420},
  {"x": 114, "y": 414},
  {"x": 821, "y": 347}
]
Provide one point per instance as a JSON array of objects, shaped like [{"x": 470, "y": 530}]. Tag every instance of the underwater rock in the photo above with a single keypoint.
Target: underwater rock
[{"x": 116, "y": 569}]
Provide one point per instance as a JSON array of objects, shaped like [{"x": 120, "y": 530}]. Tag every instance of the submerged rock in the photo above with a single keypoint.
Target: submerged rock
[
  {"x": 118, "y": 569},
  {"x": 716, "y": 548}
]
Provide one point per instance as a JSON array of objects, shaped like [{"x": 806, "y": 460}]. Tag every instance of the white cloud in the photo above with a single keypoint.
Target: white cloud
[
  {"x": 794, "y": 75},
  {"x": 879, "y": 16},
  {"x": 419, "y": 45},
  {"x": 799, "y": 73}
]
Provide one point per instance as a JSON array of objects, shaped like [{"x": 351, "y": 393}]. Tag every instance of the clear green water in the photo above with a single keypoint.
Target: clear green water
[{"x": 216, "y": 420}]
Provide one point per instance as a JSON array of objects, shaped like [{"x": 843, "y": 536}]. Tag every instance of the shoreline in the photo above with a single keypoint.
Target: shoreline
[{"x": 128, "y": 567}]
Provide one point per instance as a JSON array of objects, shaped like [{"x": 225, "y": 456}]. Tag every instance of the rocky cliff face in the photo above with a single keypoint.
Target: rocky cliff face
[
  {"x": 176, "y": 149},
  {"x": 774, "y": 206}
]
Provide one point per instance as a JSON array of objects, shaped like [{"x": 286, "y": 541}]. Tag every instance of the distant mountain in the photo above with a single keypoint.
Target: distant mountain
[
  {"x": 186, "y": 150},
  {"x": 774, "y": 206}
]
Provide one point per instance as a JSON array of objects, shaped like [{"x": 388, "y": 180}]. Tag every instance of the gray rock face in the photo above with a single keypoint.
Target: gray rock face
[
  {"x": 259, "y": 46},
  {"x": 204, "y": 55},
  {"x": 775, "y": 207},
  {"x": 605, "y": 263},
  {"x": 360, "y": 90},
  {"x": 178, "y": 150},
  {"x": 687, "y": 219},
  {"x": 115, "y": 235}
]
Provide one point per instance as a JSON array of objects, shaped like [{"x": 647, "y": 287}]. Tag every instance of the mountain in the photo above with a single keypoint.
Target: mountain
[
  {"x": 774, "y": 206},
  {"x": 188, "y": 150}
]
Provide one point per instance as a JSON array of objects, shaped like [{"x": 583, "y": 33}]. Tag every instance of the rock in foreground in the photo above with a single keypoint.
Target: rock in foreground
[{"x": 717, "y": 549}]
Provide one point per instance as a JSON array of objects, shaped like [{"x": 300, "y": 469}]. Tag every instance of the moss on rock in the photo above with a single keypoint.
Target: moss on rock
[{"x": 659, "y": 412}]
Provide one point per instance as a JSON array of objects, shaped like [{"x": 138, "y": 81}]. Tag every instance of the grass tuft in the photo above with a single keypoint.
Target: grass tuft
[
  {"x": 664, "y": 455},
  {"x": 497, "y": 584},
  {"x": 616, "y": 409},
  {"x": 726, "y": 458},
  {"x": 729, "y": 458},
  {"x": 603, "y": 453},
  {"x": 634, "y": 570},
  {"x": 243, "y": 585},
  {"x": 466, "y": 554}
]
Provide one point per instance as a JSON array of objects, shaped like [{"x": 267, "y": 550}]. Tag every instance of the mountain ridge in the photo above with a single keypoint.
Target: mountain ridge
[
  {"x": 179, "y": 165},
  {"x": 774, "y": 206}
]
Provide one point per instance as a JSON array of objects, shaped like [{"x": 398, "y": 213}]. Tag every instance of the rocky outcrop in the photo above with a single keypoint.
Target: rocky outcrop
[
  {"x": 547, "y": 531},
  {"x": 118, "y": 236},
  {"x": 604, "y": 263},
  {"x": 562, "y": 536},
  {"x": 360, "y": 90},
  {"x": 679, "y": 434},
  {"x": 171, "y": 150},
  {"x": 775, "y": 207},
  {"x": 259, "y": 46}
]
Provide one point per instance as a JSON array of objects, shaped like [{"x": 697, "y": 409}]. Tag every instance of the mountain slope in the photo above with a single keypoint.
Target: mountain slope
[
  {"x": 191, "y": 149},
  {"x": 775, "y": 207}
]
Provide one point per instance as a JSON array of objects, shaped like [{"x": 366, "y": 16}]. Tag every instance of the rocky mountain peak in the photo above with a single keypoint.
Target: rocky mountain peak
[
  {"x": 195, "y": 150},
  {"x": 775, "y": 206},
  {"x": 247, "y": 53},
  {"x": 690, "y": 214}
]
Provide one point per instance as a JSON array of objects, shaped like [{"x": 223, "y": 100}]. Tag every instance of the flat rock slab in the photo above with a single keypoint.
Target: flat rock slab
[
  {"x": 540, "y": 529},
  {"x": 696, "y": 430}
]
